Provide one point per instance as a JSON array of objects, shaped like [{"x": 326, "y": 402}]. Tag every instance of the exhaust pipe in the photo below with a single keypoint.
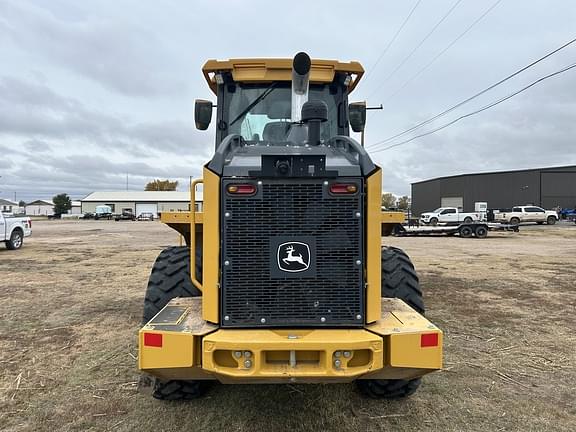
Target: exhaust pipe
[{"x": 300, "y": 78}]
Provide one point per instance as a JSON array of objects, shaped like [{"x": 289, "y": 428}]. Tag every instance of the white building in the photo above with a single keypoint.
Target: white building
[
  {"x": 7, "y": 206},
  {"x": 138, "y": 202},
  {"x": 76, "y": 208},
  {"x": 40, "y": 208}
]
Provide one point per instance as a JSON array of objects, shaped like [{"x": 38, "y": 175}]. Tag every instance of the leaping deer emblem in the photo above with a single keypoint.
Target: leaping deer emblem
[{"x": 293, "y": 258}]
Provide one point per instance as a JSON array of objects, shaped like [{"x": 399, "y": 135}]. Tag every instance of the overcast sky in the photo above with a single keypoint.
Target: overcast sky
[{"x": 93, "y": 93}]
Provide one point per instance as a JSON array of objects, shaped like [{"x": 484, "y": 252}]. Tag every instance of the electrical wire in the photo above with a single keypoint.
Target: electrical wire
[
  {"x": 484, "y": 108},
  {"x": 480, "y": 93},
  {"x": 392, "y": 40},
  {"x": 409, "y": 56},
  {"x": 441, "y": 53}
]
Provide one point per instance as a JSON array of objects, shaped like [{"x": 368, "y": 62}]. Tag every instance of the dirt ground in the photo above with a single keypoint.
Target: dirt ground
[{"x": 71, "y": 302}]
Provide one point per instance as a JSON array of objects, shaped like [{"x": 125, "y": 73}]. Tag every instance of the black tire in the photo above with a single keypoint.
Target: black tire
[
  {"x": 540, "y": 223},
  {"x": 433, "y": 221},
  {"x": 16, "y": 240},
  {"x": 481, "y": 232},
  {"x": 465, "y": 231},
  {"x": 467, "y": 219},
  {"x": 388, "y": 389},
  {"x": 514, "y": 221},
  {"x": 170, "y": 278},
  {"x": 179, "y": 390},
  {"x": 551, "y": 220},
  {"x": 399, "y": 280}
]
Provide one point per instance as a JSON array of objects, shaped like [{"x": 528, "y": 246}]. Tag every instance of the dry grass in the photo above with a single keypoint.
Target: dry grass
[{"x": 71, "y": 302}]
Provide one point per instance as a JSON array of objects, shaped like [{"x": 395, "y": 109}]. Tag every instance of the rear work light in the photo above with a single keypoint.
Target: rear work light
[
  {"x": 429, "y": 340},
  {"x": 343, "y": 188},
  {"x": 153, "y": 340},
  {"x": 241, "y": 189}
]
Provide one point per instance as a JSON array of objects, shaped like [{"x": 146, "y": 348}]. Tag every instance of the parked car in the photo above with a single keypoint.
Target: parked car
[
  {"x": 13, "y": 229},
  {"x": 146, "y": 217},
  {"x": 449, "y": 215},
  {"x": 520, "y": 214},
  {"x": 126, "y": 214},
  {"x": 103, "y": 212}
]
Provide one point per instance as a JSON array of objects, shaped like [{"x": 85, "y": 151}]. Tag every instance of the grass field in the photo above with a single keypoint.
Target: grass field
[{"x": 71, "y": 303}]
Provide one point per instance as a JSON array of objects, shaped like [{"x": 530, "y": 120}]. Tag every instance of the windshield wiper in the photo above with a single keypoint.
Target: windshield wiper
[{"x": 255, "y": 102}]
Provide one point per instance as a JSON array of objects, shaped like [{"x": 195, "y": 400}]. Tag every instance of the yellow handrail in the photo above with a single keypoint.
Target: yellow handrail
[{"x": 195, "y": 281}]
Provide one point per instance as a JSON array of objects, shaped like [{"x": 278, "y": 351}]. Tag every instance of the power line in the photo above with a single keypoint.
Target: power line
[
  {"x": 480, "y": 93},
  {"x": 441, "y": 53},
  {"x": 409, "y": 56},
  {"x": 392, "y": 40},
  {"x": 484, "y": 108}
]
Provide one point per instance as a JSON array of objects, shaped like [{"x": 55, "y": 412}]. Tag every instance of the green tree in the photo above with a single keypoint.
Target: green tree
[
  {"x": 388, "y": 200},
  {"x": 21, "y": 203},
  {"x": 161, "y": 185},
  {"x": 62, "y": 203},
  {"x": 403, "y": 203}
]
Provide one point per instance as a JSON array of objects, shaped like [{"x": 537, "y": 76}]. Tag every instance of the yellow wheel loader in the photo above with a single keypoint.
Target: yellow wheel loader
[{"x": 283, "y": 278}]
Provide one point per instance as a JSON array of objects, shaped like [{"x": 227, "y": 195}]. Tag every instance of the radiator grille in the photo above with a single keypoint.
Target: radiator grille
[{"x": 254, "y": 294}]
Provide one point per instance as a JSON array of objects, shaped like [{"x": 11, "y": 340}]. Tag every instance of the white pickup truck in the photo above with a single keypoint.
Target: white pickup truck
[
  {"x": 526, "y": 214},
  {"x": 449, "y": 215},
  {"x": 13, "y": 229}
]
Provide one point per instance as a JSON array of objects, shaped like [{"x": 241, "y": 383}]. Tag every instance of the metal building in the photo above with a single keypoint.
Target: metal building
[{"x": 544, "y": 187}]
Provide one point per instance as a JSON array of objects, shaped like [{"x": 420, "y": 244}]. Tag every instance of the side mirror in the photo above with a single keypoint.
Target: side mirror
[
  {"x": 357, "y": 116},
  {"x": 202, "y": 113}
]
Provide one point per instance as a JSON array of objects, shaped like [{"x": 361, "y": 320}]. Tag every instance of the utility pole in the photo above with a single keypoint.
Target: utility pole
[{"x": 126, "y": 181}]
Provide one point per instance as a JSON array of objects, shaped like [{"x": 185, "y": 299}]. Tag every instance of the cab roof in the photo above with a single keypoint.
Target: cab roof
[{"x": 279, "y": 69}]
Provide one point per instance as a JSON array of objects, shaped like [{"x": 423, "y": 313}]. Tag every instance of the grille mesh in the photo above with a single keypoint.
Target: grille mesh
[{"x": 250, "y": 292}]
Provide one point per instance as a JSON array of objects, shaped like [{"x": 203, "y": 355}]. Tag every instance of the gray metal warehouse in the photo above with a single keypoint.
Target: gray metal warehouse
[
  {"x": 154, "y": 202},
  {"x": 544, "y": 187}
]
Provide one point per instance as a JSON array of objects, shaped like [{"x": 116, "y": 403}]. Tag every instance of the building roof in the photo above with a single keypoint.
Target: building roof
[
  {"x": 140, "y": 196},
  {"x": 499, "y": 172},
  {"x": 279, "y": 69},
  {"x": 7, "y": 202},
  {"x": 40, "y": 202}
]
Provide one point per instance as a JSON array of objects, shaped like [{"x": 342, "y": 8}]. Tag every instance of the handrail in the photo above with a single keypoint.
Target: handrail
[{"x": 195, "y": 281}]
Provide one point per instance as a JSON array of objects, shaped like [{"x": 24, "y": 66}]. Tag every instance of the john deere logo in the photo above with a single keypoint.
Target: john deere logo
[{"x": 293, "y": 257}]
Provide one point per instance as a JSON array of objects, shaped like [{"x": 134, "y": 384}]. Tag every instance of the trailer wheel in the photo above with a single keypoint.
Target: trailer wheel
[
  {"x": 467, "y": 219},
  {"x": 433, "y": 221},
  {"x": 170, "y": 278},
  {"x": 551, "y": 220},
  {"x": 16, "y": 240},
  {"x": 465, "y": 231},
  {"x": 399, "y": 280},
  {"x": 481, "y": 231}
]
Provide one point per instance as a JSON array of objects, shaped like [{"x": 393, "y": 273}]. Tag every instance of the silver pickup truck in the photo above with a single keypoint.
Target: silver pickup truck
[{"x": 13, "y": 229}]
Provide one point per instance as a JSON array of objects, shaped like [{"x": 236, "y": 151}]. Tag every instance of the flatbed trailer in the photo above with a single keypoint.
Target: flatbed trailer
[{"x": 465, "y": 230}]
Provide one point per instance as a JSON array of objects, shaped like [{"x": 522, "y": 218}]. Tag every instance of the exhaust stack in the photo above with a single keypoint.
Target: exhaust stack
[{"x": 300, "y": 78}]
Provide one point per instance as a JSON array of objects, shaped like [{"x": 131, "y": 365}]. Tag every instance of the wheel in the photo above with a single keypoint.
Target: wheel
[
  {"x": 16, "y": 240},
  {"x": 481, "y": 231},
  {"x": 465, "y": 231},
  {"x": 514, "y": 221},
  {"x": 170, "y": 278},
  {"x": 551, "y": 220},
  {"x": 399, "y": 280},
  {"x": 179, "y": 390},
  {"x": 467, "y": 219},
  {"x": 433, "y": 221},
  {"x": 388, "y": 389},
  {"x": 540, "y": 223}
]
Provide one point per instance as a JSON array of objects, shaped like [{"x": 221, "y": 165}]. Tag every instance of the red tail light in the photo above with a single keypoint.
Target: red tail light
[
  {"x": 429, "y": 340},
  {"x": 241, "y": 189},
  {"x": 343, "y": 188},
  {"x": 29, "y": 223},
  {"x": 153, "y": 340}
]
